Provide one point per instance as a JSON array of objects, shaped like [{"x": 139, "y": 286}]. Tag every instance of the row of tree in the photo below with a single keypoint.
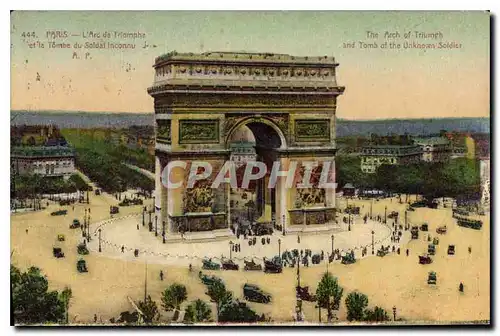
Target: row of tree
[
  {"x": 31, "y": 186},
  {"x": 457, "y": 177}
]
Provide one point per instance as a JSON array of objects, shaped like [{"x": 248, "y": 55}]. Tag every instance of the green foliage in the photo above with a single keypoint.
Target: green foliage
[
  {"x": 149, "y": 309},
  {"x": 32, "y": 303},
  {"x": 79, "y": 182},
  {"x": 376, "y": 315},
  {"x": 65, "y": 297},
  {"x": 356, "y": 303},
  {"x": 329, "y": 293},
  {"x": 197, "y": 311},
  {"x": 172, "y": 298},
  {"x": 218, "y": 294},
  {"x": 238, "y": 312}
]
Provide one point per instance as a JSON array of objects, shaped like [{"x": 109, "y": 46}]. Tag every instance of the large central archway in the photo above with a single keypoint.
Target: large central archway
[{"x": 287, "y": 102}]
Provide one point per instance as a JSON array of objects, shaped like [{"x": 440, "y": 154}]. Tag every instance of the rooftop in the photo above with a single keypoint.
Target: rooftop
[
  {"x": 244, "y": 57},
  {"x": 432, "y": 141},
  {"x": 42, "y": 151}
]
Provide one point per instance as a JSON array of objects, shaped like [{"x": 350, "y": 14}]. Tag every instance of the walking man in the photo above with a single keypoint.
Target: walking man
[
  {"x": 407, "y": 252},
  {"x": 123, "y": 248},
  {"x": 161, "y": 275}
]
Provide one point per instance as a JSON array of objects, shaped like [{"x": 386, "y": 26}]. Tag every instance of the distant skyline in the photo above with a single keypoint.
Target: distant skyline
[{"x": 380, "y": 84}]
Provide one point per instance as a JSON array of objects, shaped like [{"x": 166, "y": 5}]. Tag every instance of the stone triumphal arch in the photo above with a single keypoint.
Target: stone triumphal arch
[{"x": 287, "y": 102}]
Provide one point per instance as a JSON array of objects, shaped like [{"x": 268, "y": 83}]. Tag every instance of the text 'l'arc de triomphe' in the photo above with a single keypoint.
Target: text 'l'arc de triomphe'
[{"x": 288, "y": 103}]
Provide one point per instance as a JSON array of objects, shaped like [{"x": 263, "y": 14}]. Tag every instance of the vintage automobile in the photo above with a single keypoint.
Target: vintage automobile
[
  {"x": 419, "y": 204},
  {"x": 451, "y": 249},
  {"x": 424, "y": 260},
  {"x": 131, "y": 201},
  {"x": 431, "y": 249},
  {"x": 82, "y": 249},
  {"x": 348, "y": 258},
  {"x": 393, "y": 214},
  {"x": 252, "y": 266},
  {"x": 254, "y": 294},
  {"x": 208, "y": 279},
  {"x": 303, "y": 294},
  {"x": 60, "y": 212},
  {"x": 57, "y": 252},
  {"x": 383, "y": 251},
  {"x": 75, "y": 224},
  {"x": 432, "y": 278},
  {"x": 261, "y": 229},
  {"x": 113, "y": 210},
  {"x": 316, "y": 259},
  {"x": 61, "y": 237},
  {"x": 272, "y": 266},
  {"x": 414, "y": 232},
  {"x": 424, "y": 227},
  {"x": 441, "y": 229},
  {"x": 65, "y": 202},
  {"x": 230, "y": 265},
  {"x": 81, "y": 266},
  {"x": 97, "y": 192},
  {"x": 435, "y": 241},
  {"x": 208, "y": 264}
]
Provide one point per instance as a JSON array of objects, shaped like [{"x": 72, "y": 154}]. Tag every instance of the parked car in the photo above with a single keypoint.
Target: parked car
[
  {"x": 303, "y": 294},
  {"x": 424, "y": 260},
  {"x": 431, "y": 249},
  {"x": 393, "y": 214},
  {"x": 113, "y": 210},
  {"x": 424, "y": 227},
  {"x": 97, "y": 192},
  {"x": 82, "y": 249},
  {"x": 432, "y": 278},
  {"x": 57, "y": 252},
  {"x": 81, "y": 266},
  {"x": 254, "y": 294},
  {"x": 414, "y": 232},
  {"x": 451, "y": 249},
  {"x": 252, "y": 266},
  {"x": 60, "y": 212},
  {"x": 61, "y": 237},
  {"x": 230, "y": 265},
  {"x": 271, "y": 266},
  {"x": 441, "y": 229},
  {"x": 348, "y": 258},
  {"x": 207, "y": 279},
  {"x": 75, "y": 224},
  {"x": 208, "y": 264}
]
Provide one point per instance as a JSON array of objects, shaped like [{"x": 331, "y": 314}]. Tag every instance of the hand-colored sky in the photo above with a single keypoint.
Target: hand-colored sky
[{"x": 380, "y": 83}]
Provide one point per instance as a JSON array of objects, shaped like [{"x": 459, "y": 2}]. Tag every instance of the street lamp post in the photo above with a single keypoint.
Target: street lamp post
[
  {"x": 100, "y": 249},
  {"x": 394, "y": 312},
  {"x": 88, "y": 228},
  {"x": 150, "y": 223},
  {"x": 156, "y": 226},
  {"x": 371, "y": 209},
  {"x": 373, "y": 242},
  {"x": 143, "y": 222},
  {"x": 406, "y": 220},
  {"x": 349, "y": 221},
  {"x": 283, "y": 226},
  {"x": 385, "y": 215},
  {"x": 231, "y": 250},
  {"x": 279, "y": 248},
  {"x": 163, "y": 231},
  {"x": 332, "y": 242}
]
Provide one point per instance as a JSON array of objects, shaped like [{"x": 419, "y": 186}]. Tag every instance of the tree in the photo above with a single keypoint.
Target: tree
[
  {"x": 149, "y": 310},
  {"x": 172, "y": 298},
  {"x": 218, "y": 294},
  {"x": 376, "y": 315},
  {"x": 32, "y": 303},
  {"x": 197, "y": 311},
  {"x": 329, "y": 293},
  {"x": 239, "y": 312},
  {"x": 356, "y": 303},
  {"x": 65, "y": 297}
]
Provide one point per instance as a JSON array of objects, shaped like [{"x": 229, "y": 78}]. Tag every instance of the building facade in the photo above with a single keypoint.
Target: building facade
[
  {"x": 374, "y": 156},
  {"x": 53, "y": 161},
  {"x": 435, "y": 149}
]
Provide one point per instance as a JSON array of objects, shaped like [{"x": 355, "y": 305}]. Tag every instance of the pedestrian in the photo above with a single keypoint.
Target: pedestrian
[
  {"x": 399, "y": 251},
  {"x": 470, "y": 249},
  {"x": 461, "y": 287},
  {"x": 161, "y": 275},
  {"x": 298, "y": 239},
  {"x": 123, "y": 248},
  {"x": 72, "y": 207},
  {"x": 393, "y": 248},
  {"x": 95, "y": 318},
  {"x": 137, "y": 226},
  {"x": 26, "y": 231},
  {"x": 407, "y": 252}
]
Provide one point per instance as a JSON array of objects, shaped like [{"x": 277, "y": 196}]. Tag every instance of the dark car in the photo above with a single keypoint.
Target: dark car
[
  {"x": 208, "y": 264},
  {"x": 75, "y": 225},
  {"x": 57, "y": 252},
  {"x": 254, "y": 294},
  {"x": 230, "y": 265},
  {"x": 207, "y": 279},
  {"x": 424, "y": 227},
  {"x": 451, "y": 250},
  {"x": 414, "y": 232},
  {"x": 424, "y": 260},
  {"x": 252, "y": 266},
  {"x": 303, "y": 294},
  {"x": 59, "y": 212},
  {"x": 348, "y": 258},
  {"x": 81, "y": 266},
  {"x": 113, "y": 210},
  {"x": 82, "y": 249},
  {"x": 272, "y": 266}
]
